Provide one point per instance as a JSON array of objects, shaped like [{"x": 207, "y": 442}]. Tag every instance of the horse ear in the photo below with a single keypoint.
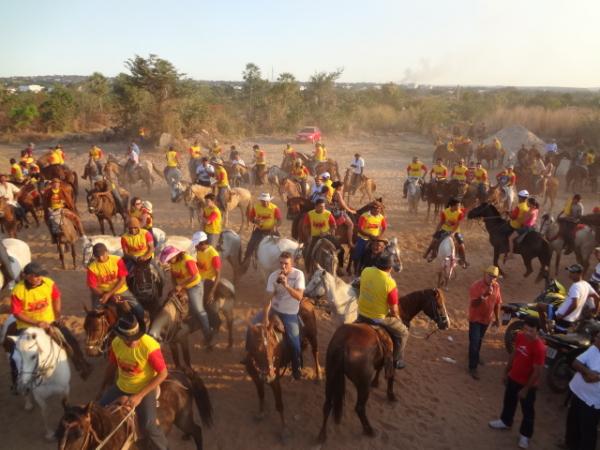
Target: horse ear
[
  {"x": 12, "y": 338},
  {"x": 88, "y": 407}
]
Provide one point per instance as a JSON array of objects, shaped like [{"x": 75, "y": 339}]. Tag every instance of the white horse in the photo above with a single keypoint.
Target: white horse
[
  {"x": 446, "y": 261},
  {"x": 113, "y": 244},
  {"x": 584, "y": 241},
  {"x": 43, "y": 371},
  {"x": 180, "y": 243},
  {"x": 509, "y": 197},
  {"x": 341, "y": 296},
  {"x": 230, "y": 249},
  {"x": 275, "y": 175},
  {"x": 413, "y": 194},
  {"x": 14, "y": 256}
]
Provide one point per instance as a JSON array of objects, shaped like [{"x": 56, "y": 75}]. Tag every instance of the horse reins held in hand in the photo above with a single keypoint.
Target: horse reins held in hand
[{"x": 115, "y": 429}]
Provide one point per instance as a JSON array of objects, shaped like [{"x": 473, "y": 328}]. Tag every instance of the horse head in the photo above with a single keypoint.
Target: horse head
[
  {"x": 483, "y": 210},
  {"x": 31, "y": 347},
  {"x": 545, "y": 223},
  {"x": 75, "y": 427},
  {"x": 261, "y": 348},
  {"x": 435, "y": 308},
  {"x": 93, "y": 201},
  {"x": 393, "y": 250},
  {"x": 316, "y": 288},
  {"x": 97, "y": 326}
]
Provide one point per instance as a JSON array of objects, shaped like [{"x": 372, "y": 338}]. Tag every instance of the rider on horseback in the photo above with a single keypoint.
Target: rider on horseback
[
  {"x": 142, "y": 210},
  {"x": 8, "y": 191},
  {"x": 378, "y": 305},
  {"x": 340, "y": 211},
  {"x": 320, "y": 223},
  {"x": 289, "y": 152},
  {"x": 459, "y": 172},
  {"x": 209, "y": 267},
  {"x": 416, "y": 169},
  {"x": 260, "y": 164},
  {"x": 568, "y": 220},
  {"x": 195, "y": 152},
  {"x": 376, "y": 248},
  {"x": 266, "y": 217},
  {"x": 204, "y": 172},
  {"x": 16, "y": 172},
  {"x": 137, "y": 244},
  {"x": 107, "y": 278},
  {"x": 320, "y": 154},
  {"x": 300, "y": 174},
  {"x": 439, "y": 172},
  {"x": 96, "y": 155},
  {"x": 36, "y": 301},
  {"x": 57, "y": 156},
  {"x": 481, "y": 180},
  {"x": 328, "y": 186},
  {"x": 518, "y": 216},
  {"x": 185, "y": 276},
  {"x": 371, "y": 224},
  {"x": 55, "y": 202},
  {"x": 222, "y": 185},
  {"x": 135, "y": 371},
  {"x": 212, "y": 219},
  {"x": 358, "y": 168},
  {"x": 449, "y": 225}
]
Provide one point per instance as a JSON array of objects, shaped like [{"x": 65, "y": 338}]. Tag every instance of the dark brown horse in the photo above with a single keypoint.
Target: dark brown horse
[
  {"x": 61, "y": 172},
  {"x": 103, "y": 205},
  {"x": 98, "y": 324},
  {"x": 268, "y": 356},
  {"x": 86, "y": 427},
  {"x": 361, "y": 351},
  {"x": 30, "y": 200},
  {"x": 8, "y": 219}
]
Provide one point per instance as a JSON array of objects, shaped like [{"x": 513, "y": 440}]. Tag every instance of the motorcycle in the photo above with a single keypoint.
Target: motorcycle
[
  {"x": 561, "y": 351},
  {"x": 513, "y": 314}
]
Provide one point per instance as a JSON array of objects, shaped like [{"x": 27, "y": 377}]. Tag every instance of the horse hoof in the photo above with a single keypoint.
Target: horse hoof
[
  {"x": 50, "y": 436},
  {"x": 28, "y": 406}
]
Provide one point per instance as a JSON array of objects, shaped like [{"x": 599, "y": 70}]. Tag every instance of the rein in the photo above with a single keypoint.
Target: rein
[
  {"x": 111, "y": 434},
  {"x": 104, "y": 335},
  {"x": 40, "y": 369}
]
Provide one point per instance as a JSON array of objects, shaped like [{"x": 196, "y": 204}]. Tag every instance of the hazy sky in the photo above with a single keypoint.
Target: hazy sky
[{"x": 508, "y": 42}]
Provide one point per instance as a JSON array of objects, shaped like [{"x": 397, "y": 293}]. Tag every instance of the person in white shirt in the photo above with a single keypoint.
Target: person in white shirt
[
  {"x": 204, "y": 172},
  {"x": 9, "y": 191},
  {"x": 580, "y": 296},
  {"x": 595, "y": 279},
  {"x": 584, "y": 410},
  {"x": 552, "y": 147},
  {"x": 285, "y": 290},
  {"x": 358, "y": 167}
]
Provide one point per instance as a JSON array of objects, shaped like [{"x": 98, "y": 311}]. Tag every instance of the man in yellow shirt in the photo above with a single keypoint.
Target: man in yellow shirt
[
  {"x": 481, "y": 180},
  {"x": 135, "y": 371},
  {"x": 172, "y": 173},
  {"x": 107, "y": 278},
  {"x": 378, "y": 305},
  {"x": 16, "y": 172},
  {"x": 55, "y": 202},
  {"x": 195, "y": 152},
  {"x": 36, "y": 302},
  {"x": 260, "y": 164},
  {"x": 459, "y": 172},
  {"x": 137, "y": 244},
  {"x": 319, "y": 222},
  {"x": 266, "y": 217},
  {"x": 449, "y": 225},
  {"x": 371, "y": 224},
  {"x": 212, "y": 220},
  {"x": 209, "y": 264},
  {"x": 186, "y": 276},
  {"x": 300, "y": 174},
  {"x": 517, "y": 217},
  {"x": 416, "y": 169},
  {"x": 96, "y": 155},
  {"x": 222, "y": 184},
  {"x": 439, "y": 172}
]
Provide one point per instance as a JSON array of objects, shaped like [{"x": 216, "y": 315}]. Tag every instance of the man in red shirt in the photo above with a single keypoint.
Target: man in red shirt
[
  {"x": 522, "y": 375},
  {"x": 484, "y": 303}
]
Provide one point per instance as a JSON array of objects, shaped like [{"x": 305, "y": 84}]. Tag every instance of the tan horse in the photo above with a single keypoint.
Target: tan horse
[
  {"x": 330, "y": 166},
  {"x": 366, "y": 187},
  {"x": 239, "y": 198},
  {"x": 289, "y": 188},
  {"x": 65, "y": 235},
  {"x": 8, "y": 219},
  {"x": 103, "y": 205},
  {"x": 550, "y": 191}
]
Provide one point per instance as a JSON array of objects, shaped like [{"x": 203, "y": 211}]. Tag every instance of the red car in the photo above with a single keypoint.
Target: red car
[{"x": 309, "y": 134}]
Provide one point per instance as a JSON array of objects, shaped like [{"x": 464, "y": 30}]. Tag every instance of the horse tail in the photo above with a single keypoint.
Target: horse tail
[
  {"x": 335, "y": 387},
  {"x": 201, "y": 398},
  {"x": 158, "y": 172}
]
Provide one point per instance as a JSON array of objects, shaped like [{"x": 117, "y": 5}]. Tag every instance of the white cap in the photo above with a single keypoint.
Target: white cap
[
  {"x": 265, "y": 197},
  {"x": 146, "y": 204},
  {"x": 524, "y": 193},
  {"x": 199, "y": 236},
  {"x": 325, "y": 175}
]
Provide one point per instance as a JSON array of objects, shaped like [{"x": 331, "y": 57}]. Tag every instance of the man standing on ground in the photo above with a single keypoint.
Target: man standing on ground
[
  {"x": 521, "y": 377},
  {"x": 484, "y": 303}
]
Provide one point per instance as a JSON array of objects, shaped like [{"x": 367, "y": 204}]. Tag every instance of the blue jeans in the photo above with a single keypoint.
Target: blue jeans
[
  {"x": 476, "y": 333},
  {"x": 196, "y": 297},
  {"x": 359, "y": 248},
  {"x": 146, "y": 415},
  {"x": 291, "y": 325}
]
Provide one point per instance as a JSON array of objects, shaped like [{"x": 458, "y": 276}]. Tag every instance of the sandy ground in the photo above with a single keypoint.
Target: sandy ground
[{"x": 439, "y": 407}]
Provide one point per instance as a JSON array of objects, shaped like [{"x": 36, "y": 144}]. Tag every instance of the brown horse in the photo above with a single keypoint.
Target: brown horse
[
  {"x": 98, "y": 324},
  {"x": 289, "y": 188},
  {"x": 86, "y": 427},
  {"x": 361, "y": 351},
  {"x": 366, "y": 187},
  {"x": 8, "y": 219},
  {"x": 330, "y": 166},
  {"x": 172, "y": 326},
  {"x": 268, "y": 356},
  {"x": 61, "y": 172},
  {"x": 30, "y": 200},
  {"x": 64, "y": 233},
  {"x": 103, "y": 205}
]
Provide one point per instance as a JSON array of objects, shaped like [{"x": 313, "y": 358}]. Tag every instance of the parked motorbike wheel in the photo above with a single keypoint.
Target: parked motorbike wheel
[
  {"x": 559, "y": 374},
  {"x": 509, "y": 334}
]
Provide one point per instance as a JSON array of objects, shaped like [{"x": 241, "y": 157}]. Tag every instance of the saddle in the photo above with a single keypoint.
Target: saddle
[{"x": 385, "y": 344}]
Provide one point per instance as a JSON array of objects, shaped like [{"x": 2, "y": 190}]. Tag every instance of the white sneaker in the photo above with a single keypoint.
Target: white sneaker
[
  {"x": 523, "y": 441},
  {"x": 498, "y": 425}
]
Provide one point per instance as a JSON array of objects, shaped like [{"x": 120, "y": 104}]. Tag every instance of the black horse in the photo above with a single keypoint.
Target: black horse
[{"x": 532, "y": 246}]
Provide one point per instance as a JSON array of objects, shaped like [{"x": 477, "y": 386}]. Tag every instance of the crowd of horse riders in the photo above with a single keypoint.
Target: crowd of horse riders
[{"x": 136, "y": 364}]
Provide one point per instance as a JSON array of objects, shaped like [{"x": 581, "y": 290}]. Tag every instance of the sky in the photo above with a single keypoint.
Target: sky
[{"x": 467, "y": 42}]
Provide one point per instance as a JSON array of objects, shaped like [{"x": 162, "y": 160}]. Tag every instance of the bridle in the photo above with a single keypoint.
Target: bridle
[
  {"x": 40, "y": 369},
  {"x": 99, "y": 343},
  {"x": 264, "y": 335}
]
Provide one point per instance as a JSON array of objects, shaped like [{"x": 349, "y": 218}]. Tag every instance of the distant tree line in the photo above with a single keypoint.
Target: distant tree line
[{"x": 152, "y": 94}]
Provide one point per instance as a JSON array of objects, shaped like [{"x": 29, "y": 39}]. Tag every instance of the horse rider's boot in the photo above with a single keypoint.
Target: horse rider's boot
[
  {"x": 404, "y": 189},
  {"x": 205, "y": 327},
  {"x": 462, "y": 256},
  {"x": 398, "y": 361}
]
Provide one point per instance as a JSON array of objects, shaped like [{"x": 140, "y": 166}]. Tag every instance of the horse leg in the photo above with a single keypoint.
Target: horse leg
[
  {"x": 362, "y": 395},
  {"x": 73, "y": 255},
  {"x": 101, "y": 222},
  {"x": 375, "y": 381},
  {"x": 110, "y": 224},
  {"x": 558, "y": 255},
  {"x": 60, "y": 252},
  {"x": 276, "y": 388},
  {"x": 175, "y": 352},
  {"x": 184, "y": 343},
  {"x": 229, "y": 320},
  {"x": 49, "y": 436},
  {"x": 527, "y": 262},
  {"x": 260, "y": 389},
  {"x": 185, "y": 422},
  {"x": 496, "y": 257}
]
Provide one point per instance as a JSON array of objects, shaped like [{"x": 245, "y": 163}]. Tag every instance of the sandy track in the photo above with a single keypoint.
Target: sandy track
[{"x": 439, "y": 407}]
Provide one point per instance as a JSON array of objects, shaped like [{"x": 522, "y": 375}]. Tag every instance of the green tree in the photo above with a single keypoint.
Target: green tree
[
  {"x": 321, "y": 97},
  {"x": 57, "y": 112},
  {"x": 21, "y": 117}
]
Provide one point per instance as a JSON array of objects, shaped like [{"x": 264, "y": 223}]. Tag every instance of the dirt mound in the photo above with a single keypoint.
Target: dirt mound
[{"x": 514, "y": 136}]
